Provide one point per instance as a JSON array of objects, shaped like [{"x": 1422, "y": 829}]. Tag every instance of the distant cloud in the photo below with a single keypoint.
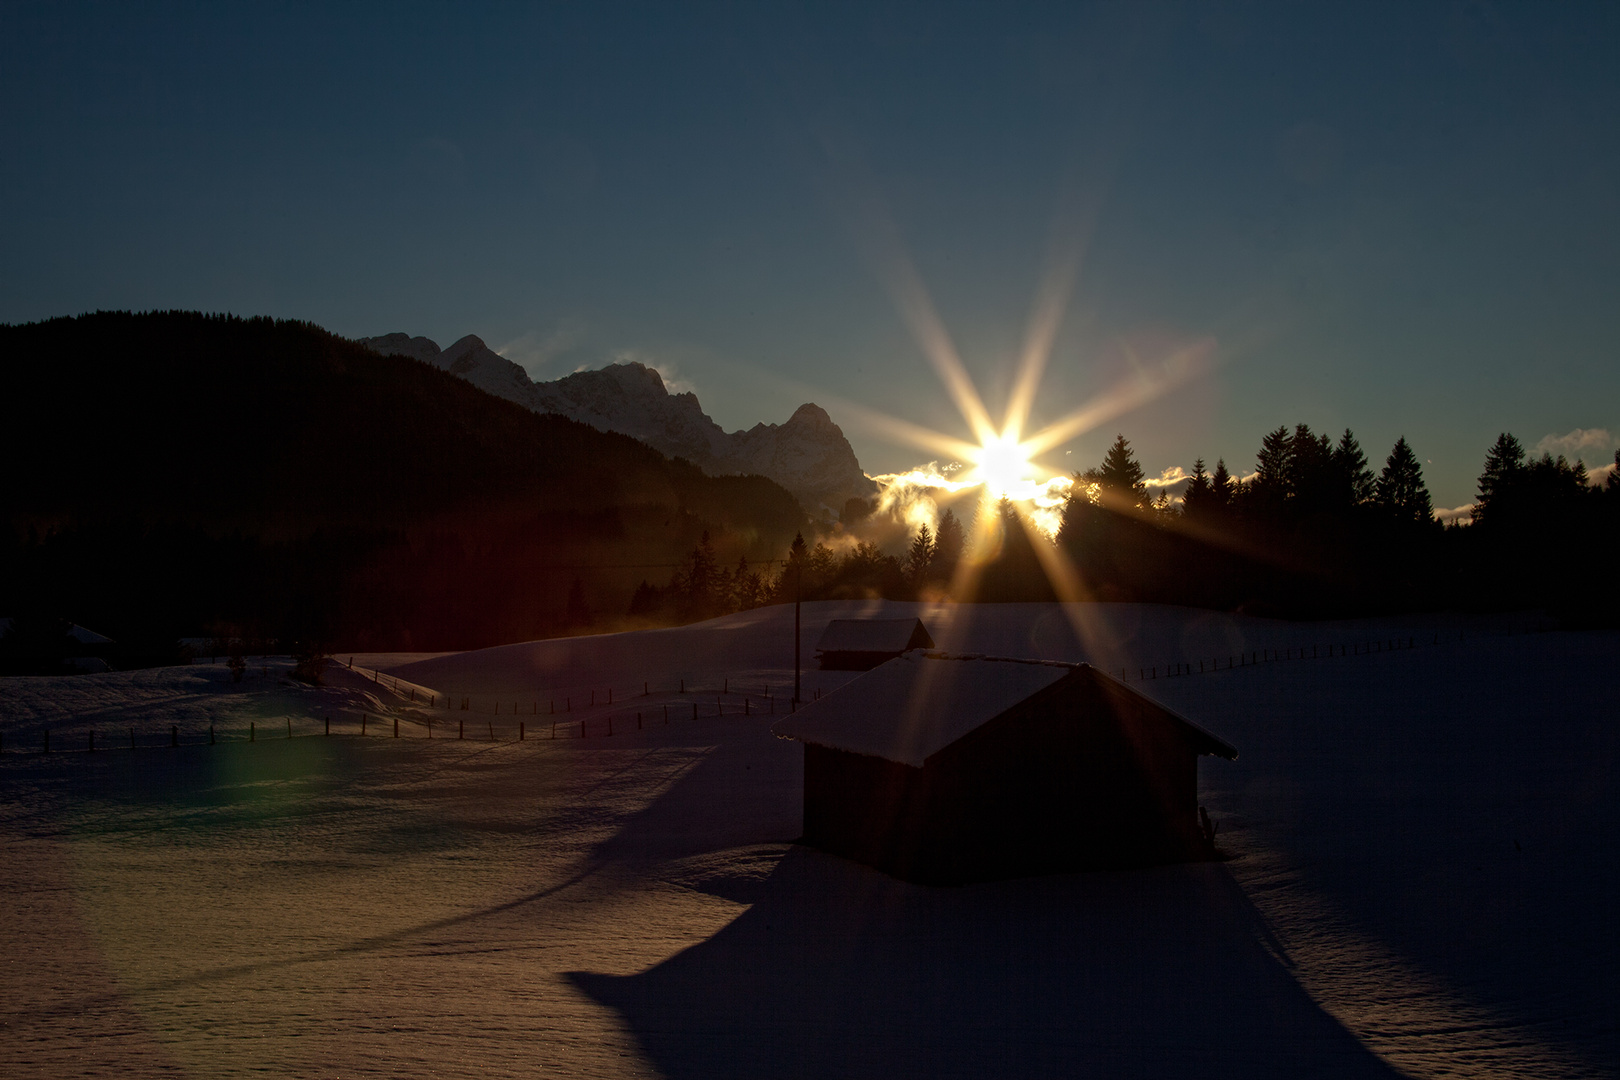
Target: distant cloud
[
  {"x": 1591, "y": 445},
  {"x": 1600, "y": 476},
  {"x": 1463, "y": 514},
  {"x": 1173, "y": 480},
  {"x": 536, "y": 349}
]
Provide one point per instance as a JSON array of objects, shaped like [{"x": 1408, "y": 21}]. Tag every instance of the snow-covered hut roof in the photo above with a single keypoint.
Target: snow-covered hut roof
[
  {"x": 74, "y": 631},
  {"x": 874, "y": 635},
  {"x": 919, "y": 703}
]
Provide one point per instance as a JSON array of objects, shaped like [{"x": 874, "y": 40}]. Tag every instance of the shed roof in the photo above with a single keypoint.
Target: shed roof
[
  {"x": 74, "y": 631},
  {"x": 874, "y": 635},
  {"x": 917, "y": 704}
]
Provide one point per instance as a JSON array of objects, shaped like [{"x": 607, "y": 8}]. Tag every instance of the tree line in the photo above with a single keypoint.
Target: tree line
[{"x": 1313, "y": 531}]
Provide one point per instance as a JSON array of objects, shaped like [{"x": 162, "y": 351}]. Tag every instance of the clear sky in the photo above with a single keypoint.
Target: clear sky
[{"x": 1402, "y": 218}]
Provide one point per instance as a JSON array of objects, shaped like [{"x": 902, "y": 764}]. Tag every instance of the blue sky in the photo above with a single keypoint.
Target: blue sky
[{"x": 1402, "y": 218}]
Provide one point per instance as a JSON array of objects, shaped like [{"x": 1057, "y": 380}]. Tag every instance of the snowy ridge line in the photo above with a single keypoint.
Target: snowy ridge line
[
  {"x": 399, "y": 686},
  {"x": 1257, "y": 657}
]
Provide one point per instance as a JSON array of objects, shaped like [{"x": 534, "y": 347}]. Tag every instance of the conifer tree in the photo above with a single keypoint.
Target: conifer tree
[
  {"x": 1401, "y": 492},
  {"x": 919, "y": 557},
  {"x": 1355, "y": 481},
  {"x": 1273, "y": 467},
  {"x": 948, "y": 544},
  {"x": 1119, "y": 479},
  {"x": 1200, "y": 493},
  {"x": 1221, "y": 485},
  {"x": 1504, "y": 465}
]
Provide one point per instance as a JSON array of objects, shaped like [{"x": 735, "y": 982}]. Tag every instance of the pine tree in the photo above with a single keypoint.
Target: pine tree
[
  {"x": 1354, "y": 480},
  {"x": 1200, "y": 493},
  {"x": 1273, "y": 467},
  {"x": 919, "y": 557},
  {"x": 1119, "y": 479},
  {"x": 1401, "y": 492},
  {"x": 1221, "y": 486},
  {"x": 1310, "y": 458},
  {"x": 948, "y": 545},
  {"x": 1504, "y": 465}
]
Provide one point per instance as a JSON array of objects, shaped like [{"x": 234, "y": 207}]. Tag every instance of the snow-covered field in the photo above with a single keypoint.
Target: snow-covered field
[{"x": 1424, "y": 868}]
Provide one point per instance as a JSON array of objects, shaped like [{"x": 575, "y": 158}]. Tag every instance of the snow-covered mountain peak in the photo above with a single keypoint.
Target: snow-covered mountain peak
[{"x": 808, "y": 454}]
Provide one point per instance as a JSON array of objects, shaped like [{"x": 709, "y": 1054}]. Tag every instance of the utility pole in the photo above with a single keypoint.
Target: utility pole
[{"x": 798, "y": 595}]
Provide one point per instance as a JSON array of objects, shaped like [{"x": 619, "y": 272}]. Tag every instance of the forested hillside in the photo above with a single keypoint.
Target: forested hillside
[{"x": 177, "y": 473}]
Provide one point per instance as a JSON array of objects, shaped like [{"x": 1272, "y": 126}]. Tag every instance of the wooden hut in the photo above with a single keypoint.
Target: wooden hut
[
  {"x": 947, "y": 769},
  {"x": 863, "y": 644}
]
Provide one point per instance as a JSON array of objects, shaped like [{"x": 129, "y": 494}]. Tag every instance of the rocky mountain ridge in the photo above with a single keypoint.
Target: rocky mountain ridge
[{"x": 808, "y": 454}]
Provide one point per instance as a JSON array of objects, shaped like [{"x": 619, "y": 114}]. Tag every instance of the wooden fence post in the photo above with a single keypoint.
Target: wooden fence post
[
  {"x": 396, "y": 727},
  {"x": 92, "y": 742},
  {"x": 253, "y": 734},
  {"x": 461, "y": 729},
  {"x": 174, "y": 734},
  {"x": 211, "y": 734},
  {"x": 491, "y": 731},
  {"x": 47, "y": 740}
]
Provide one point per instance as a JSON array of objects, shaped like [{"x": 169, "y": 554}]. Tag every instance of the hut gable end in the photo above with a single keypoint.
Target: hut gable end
[{"x": 948, "y": 769}]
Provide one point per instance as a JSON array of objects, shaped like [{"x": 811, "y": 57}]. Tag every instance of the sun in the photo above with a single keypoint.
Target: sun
[{"x": 1003, "y": 466}]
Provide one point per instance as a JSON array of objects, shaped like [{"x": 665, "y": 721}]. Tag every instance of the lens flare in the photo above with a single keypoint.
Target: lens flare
[{"x": 1002, "y": 466}]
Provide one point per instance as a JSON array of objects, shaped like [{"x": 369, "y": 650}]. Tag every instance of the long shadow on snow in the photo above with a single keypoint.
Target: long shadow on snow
[{"x": 838, "y": 970}]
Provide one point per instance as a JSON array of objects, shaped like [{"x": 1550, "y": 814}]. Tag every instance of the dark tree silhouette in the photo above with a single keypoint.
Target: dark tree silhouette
[
  {"x": 1503, "y": 464},
  {"x": 1119, "y": 481},
  {"x": 920, "y": 558},
  {"x": 1355, "y": 483},
  {"x": 1199, "y": 499},
  {"x": 1273, "y": 470},
  {"x": 948, "y": 545},
  {"x": 1401, "y": 493},
  {"x": 1221, "y": 485}
]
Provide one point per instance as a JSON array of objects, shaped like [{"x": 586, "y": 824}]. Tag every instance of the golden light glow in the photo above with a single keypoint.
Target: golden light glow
[{"x": 1002, "y": 466}]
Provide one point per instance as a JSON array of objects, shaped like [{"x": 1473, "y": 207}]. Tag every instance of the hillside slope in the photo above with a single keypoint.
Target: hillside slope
[{"x": 174, "y": 469}]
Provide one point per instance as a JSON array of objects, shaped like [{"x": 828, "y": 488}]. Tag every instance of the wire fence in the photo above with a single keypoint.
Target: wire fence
[
  {"x": 1317, "y": 651},
  {"x": 526, "y": 721},
  {"x": 523, "y": 726}
]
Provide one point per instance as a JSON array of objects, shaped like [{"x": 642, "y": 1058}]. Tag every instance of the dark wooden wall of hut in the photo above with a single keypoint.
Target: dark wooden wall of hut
[{"x": 1078, "y": 777}]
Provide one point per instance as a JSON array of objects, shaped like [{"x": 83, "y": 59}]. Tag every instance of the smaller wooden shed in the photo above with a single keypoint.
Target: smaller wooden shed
[
  {"x": 947, "y": 769},
  {"x": 863, "y": 644}
]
